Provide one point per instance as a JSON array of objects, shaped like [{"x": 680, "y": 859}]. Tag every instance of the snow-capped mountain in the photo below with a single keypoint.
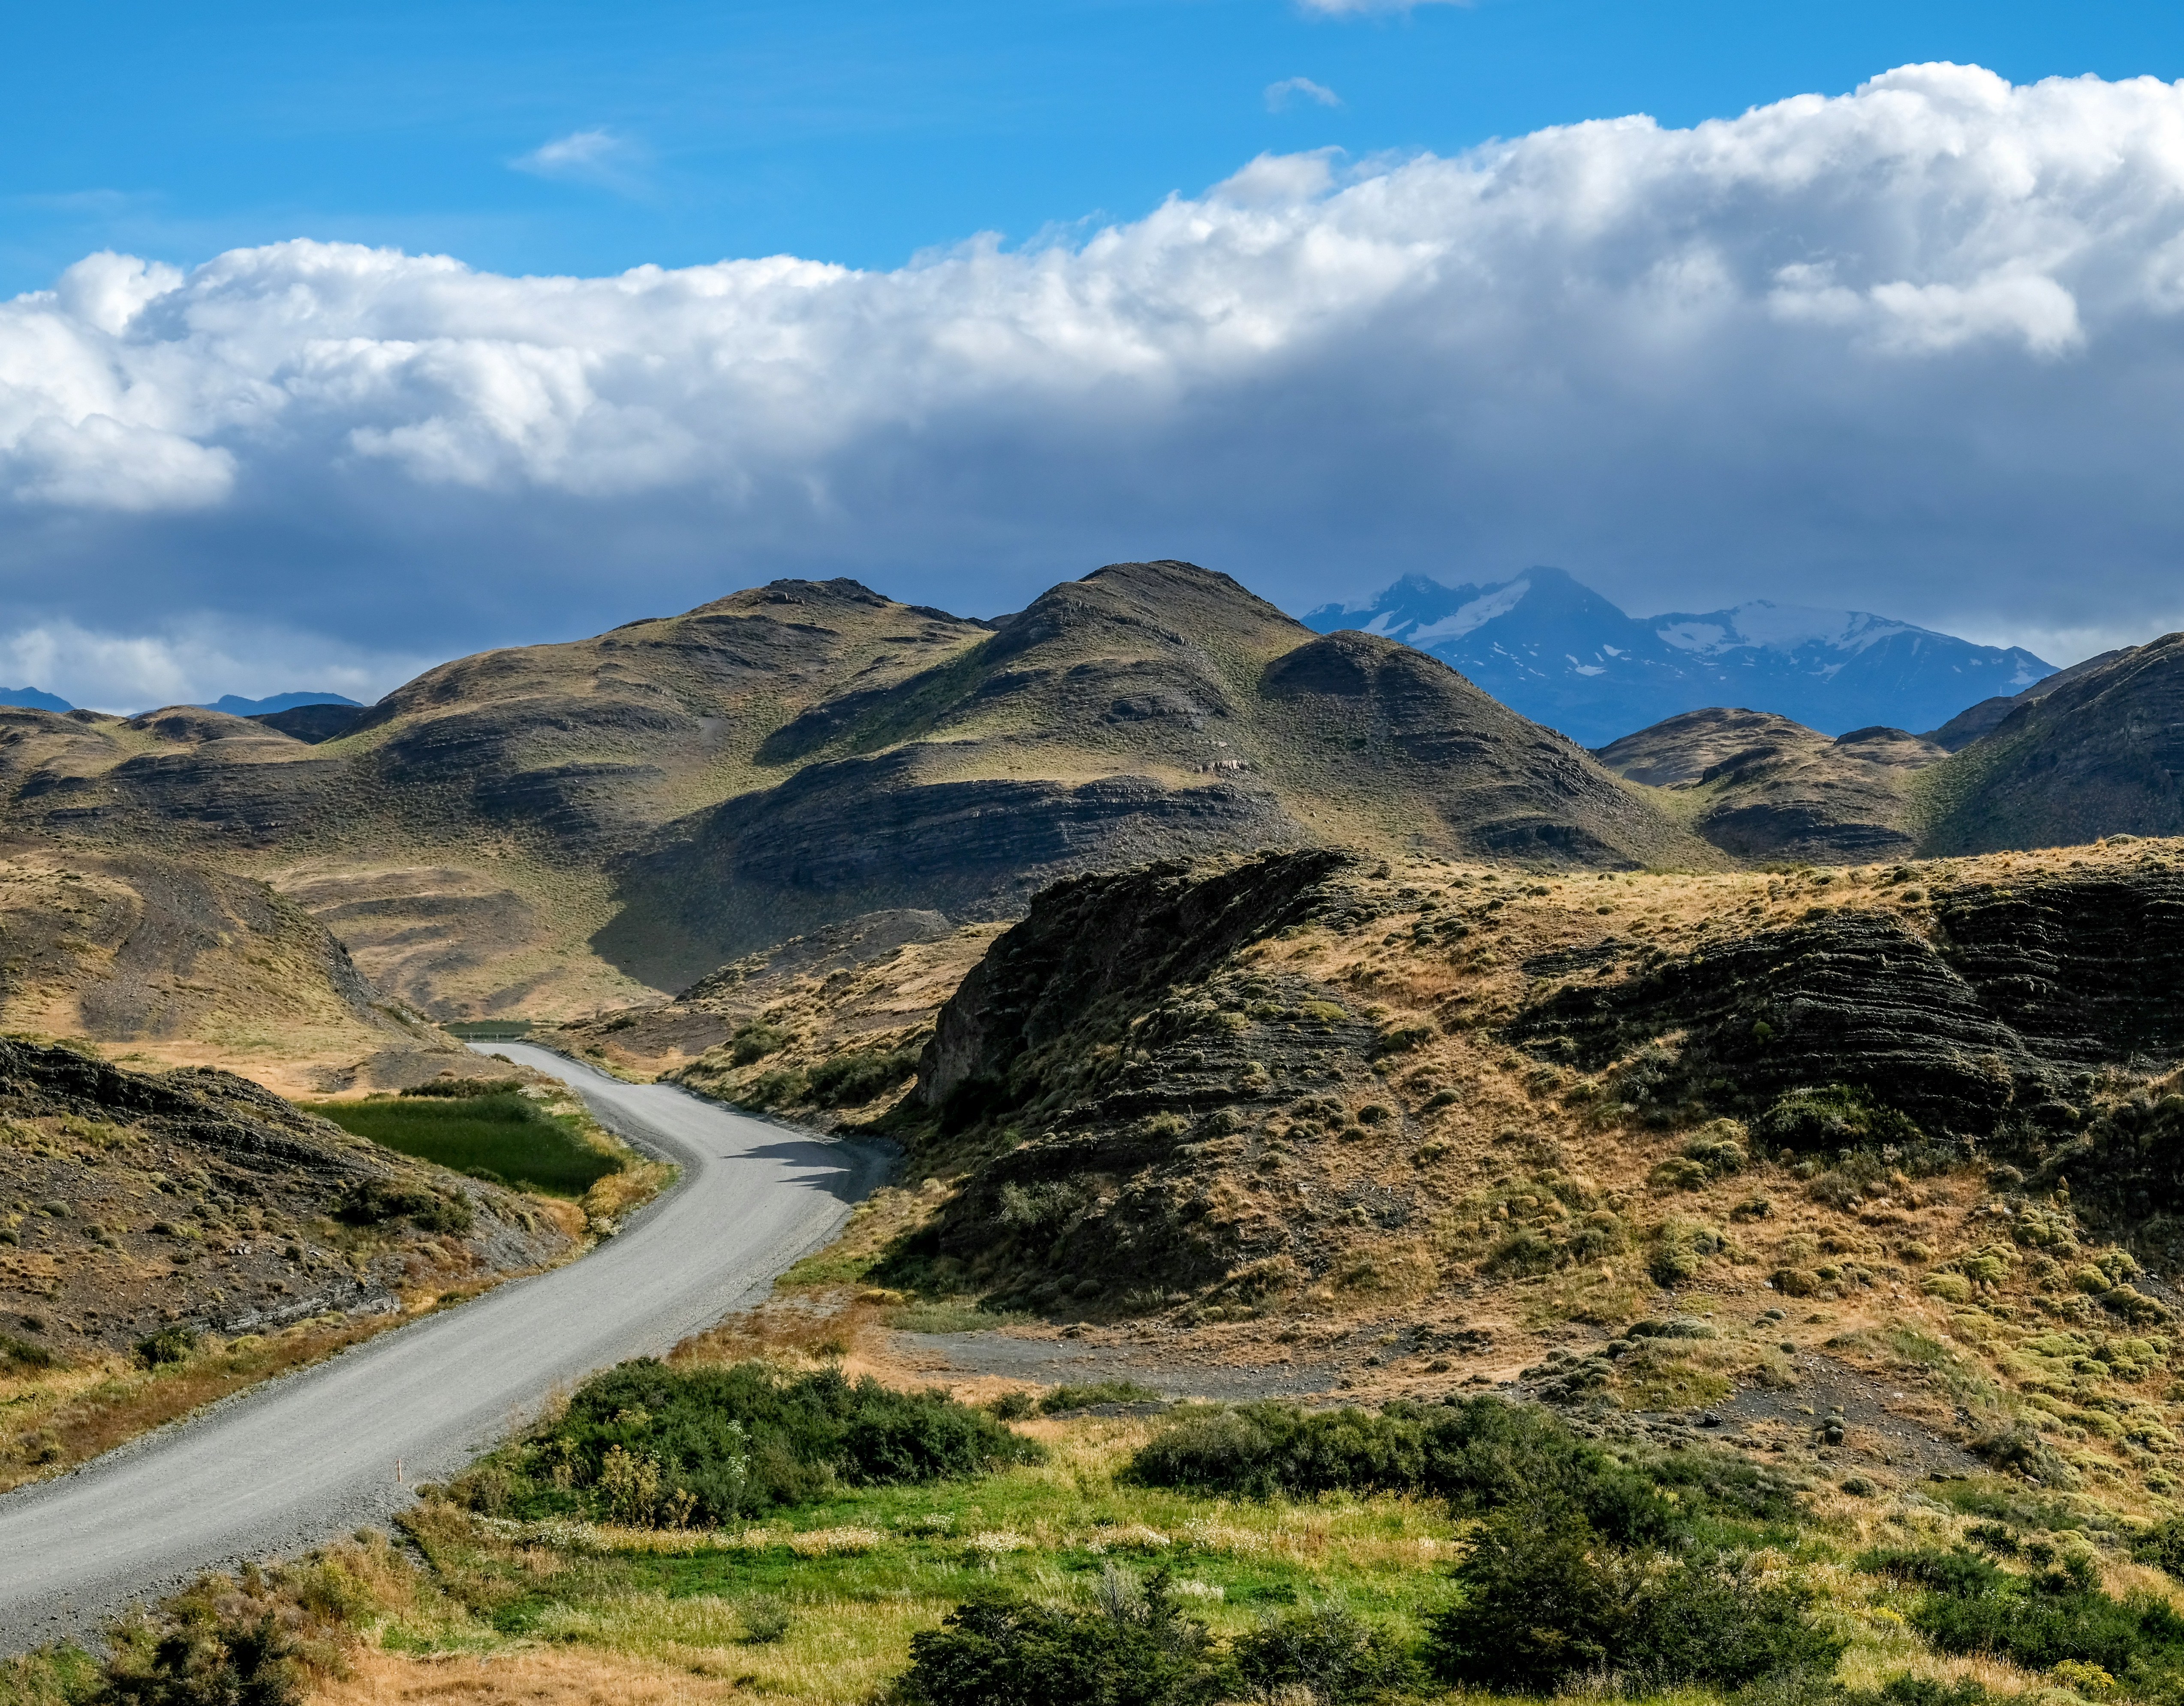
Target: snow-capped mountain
[{"x": 1558, "y": 652}]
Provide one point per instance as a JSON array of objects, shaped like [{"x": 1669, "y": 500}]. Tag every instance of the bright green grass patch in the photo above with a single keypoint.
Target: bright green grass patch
[
  {"x": 1047, "y": 1530},
  {"x": 507, "y": 1137}
]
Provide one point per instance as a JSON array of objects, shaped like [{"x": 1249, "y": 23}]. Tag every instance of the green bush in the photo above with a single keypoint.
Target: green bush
[
  {"x": 650, "y": 1445},
  {"x": 1478, "y": 1453},
  {"x": 1545, "y": 1600},
  {"x": 1082, "y": 1397},
  {"x": 1136, "y": 1651},
  {"x": 506, "y": 1133},
  {"x": 851, "y": 1080},
  {"x": 779, "y": 1087},
  {"x": 755, "y": 1041},
  {"x": 374, "y": 1202},
  {"x": 1337, "y": 1655},
  {"x": 1837, "y": 1117},
  {"x": 466, "y": 1089},
  {"x": 206, "y": 1661},
  {"x": 169, "y": 1344},
  {"x": 2041, "y": 1618},
  {"x": 22, "y": 1353}
]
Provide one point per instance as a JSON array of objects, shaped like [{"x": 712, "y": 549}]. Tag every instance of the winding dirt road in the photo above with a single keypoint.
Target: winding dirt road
[{"x": 313, "y": 1454}]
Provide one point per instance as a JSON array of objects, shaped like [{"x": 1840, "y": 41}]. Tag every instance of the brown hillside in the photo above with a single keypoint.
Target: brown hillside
[
  {"x": 1763, "y": 788},
  {"x": 553, "y": 830},
  {"x": 2101, "y": 755}
]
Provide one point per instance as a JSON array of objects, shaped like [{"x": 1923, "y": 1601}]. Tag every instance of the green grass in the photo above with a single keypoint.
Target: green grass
[{"x": 507, "y": 1137}]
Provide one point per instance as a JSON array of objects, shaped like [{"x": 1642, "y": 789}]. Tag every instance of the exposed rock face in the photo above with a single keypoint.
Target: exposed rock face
[
  {"x": 1980, "y": 1017},
  {"x": 1116, "y": 1023},
  {"x": 1097, "y": 947},
  {"x": 1771, "y": 789},
  {"x": 2102, "y": 755},
  {"x": 196, "y": 1198}
]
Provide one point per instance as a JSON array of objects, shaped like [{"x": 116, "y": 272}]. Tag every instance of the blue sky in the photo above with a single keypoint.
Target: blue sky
[
  {"x": 856, "y": 131},
  {"x": 1906, "y": 340}
]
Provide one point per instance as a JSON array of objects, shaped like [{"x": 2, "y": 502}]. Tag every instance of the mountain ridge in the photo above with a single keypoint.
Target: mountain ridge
[{"x": 1559, "y": 653}]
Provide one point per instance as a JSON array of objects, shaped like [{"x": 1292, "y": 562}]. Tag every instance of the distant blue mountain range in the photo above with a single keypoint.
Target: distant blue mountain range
[
  {"x": 31, "y": 698},
  {"x": 235, "y": 705},
  {"x": 1556, "y": 650}
]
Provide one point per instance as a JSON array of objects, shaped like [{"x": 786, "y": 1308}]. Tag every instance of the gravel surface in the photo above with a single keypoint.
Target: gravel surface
[{"x": 300, "y": 1460}]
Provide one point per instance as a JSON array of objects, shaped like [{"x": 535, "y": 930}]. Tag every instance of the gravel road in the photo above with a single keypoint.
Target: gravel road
[{"x": 314, "y": 1454}]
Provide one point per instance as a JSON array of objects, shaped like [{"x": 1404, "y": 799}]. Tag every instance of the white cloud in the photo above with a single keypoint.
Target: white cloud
[
  {"x": 1356, "y": 9},
  {"x": 1914, "y": 349},
  {"x": 1281, "y": 96},
  {"x": 596, "y": 156},
  {"x": 190, "y": 663}
]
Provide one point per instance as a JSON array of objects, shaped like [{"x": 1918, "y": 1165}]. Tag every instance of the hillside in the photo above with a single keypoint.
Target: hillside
[
  {"x": 1150, "y": 709},
  {"x": 176, "y": 962},
  {"x": 2102, "y": 754},
  {"x": 556, "y": 829},
  {"x": 1764, "y": 789}
]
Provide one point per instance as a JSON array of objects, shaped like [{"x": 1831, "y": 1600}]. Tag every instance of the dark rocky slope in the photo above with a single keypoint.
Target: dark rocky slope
[
  {"x": 1119, "y": 1048},
  {"x": 142, "y": 1200},
  {"x": 1984, "y": 1012}
]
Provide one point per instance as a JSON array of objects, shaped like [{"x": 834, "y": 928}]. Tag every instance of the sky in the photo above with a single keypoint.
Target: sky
[{"x": 338, "y": 340}]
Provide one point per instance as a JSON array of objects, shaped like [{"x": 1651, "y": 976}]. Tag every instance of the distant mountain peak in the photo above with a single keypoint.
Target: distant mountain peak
[
  {"x": 30, "y": 699},
  {"x": 1550, "y": 647}
]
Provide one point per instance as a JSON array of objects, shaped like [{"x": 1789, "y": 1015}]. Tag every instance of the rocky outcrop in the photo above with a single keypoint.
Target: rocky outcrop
[
  {"x": 1117, "y": 1029},
  {"x": 1979, "y": 1014}
]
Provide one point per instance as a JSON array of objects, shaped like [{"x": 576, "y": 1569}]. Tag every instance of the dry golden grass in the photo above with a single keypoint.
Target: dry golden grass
[
  {"x": 528, "y": 1677},
  {"x": 60, "y": 1418}
]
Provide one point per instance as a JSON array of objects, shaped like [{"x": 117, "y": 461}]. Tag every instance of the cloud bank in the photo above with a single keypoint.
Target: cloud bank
[{"x": 1915, "y": 348}]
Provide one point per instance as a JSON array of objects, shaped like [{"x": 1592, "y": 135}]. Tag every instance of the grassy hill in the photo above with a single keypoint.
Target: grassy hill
[{"x": 554, "y": 829}]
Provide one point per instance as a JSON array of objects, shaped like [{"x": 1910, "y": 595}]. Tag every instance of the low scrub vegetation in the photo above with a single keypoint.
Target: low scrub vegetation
[
  {"x": 1479, "y": 1454},
  {"x": 649, "y": 1446},
  {"x": 499, "y": 1136}
]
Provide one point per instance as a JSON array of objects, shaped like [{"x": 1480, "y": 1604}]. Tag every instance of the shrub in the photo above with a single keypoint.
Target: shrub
[
  {"x": 1836, "y": 1117},
  {"x": 1061, "y": 1399},
  {"x": 850, "y": 1080},
  {"x": 1545, "y": 1600},
  {"x": 2051, "y": 1616},
  {"x": 779, "y": 1087},
  {"x": 655, "y": 1446},
  {"x": 467, "y": 1088},
  {"x": 169, "y": 1344},
  {"x": 22, "y": 1353},
  {"x": 373, "y": 1201},
  {"x": 1135, "y": 1651},
  {"x": 755, "y": 1041},
  {"x": 1337, "y": 1655},
  {"x": 1477, "y": 1454},
  {"x": 201, "y": 1661}
]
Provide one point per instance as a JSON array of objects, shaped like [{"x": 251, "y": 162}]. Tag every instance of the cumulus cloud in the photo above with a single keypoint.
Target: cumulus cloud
[
  {"x": 1919, "y": 348},
  {"x": 1281, "y": 96}
]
